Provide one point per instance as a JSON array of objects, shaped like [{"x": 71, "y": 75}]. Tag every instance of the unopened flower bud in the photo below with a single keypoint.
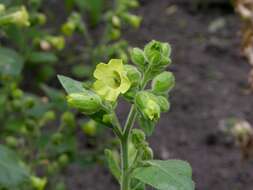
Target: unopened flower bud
[
  {"x": 107, "y": 119},
  {"x": 133, "y": 74},
  {"x": 133, "y": 20},
  {"x": 17, "y": 16},
  {"x": 38, "y": 183},
  {"x": 147, "y": 104},
  {"x": 57, "y": 138},
  {"x": 163, "y": 82},
  {"x": 137, "y": 57},
  {"x": 132, "y": 3},
  {"x": 49, "y": 116},
  {"x": 90, "y": 128},
  {"x": 116, "y": 21},
  {"x": 68, "y": 28},
  {"x": 147, "y": 153},
  {"x": 68, "y": 119},
  {"x": 157, "y": 53},
  {"x": 138, "y": 138},
  {"x": 57, "y": 42},
  {"x": 163, "y": 103},
  {"x": 115, "y": 34},
  {"x": 63, "y": 160},
  {"x": 38, "y": 18},
  {"x": 87, "y": 102}
]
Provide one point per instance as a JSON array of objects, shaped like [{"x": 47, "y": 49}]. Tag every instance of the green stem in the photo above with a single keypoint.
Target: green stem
[
  {"x": 125, "y": 180},
  {"x": 125, "y": 174}
]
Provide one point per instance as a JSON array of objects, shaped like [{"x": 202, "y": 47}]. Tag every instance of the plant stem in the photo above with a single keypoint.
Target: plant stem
[{"x": 125, "y": 180}]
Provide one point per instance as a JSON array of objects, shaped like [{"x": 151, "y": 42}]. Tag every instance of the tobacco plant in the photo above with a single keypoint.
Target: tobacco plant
[{"x": 134, "y": 167}]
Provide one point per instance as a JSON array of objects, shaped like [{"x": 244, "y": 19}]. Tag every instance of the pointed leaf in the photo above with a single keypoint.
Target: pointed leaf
[
  {"x": 70, "y": 85},
  {"x": 166, "y": 175}
]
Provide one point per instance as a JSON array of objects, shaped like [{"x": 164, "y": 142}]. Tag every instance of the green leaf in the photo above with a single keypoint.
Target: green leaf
[
  {"x": 11, "y": 63},
  {"x": 166, "y": 175},
  {"x": 56, "y": 96},
  {"x": 42, "y": 57},
  {"x": 113, "y": 164},
  {"x": 12, "y": 172},
  {"x": 147, "y": 125},
  {"x": 70, "y": 85}
]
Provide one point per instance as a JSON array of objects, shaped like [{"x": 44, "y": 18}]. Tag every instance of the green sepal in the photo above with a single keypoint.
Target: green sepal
[{"x": 147, "y": 125}]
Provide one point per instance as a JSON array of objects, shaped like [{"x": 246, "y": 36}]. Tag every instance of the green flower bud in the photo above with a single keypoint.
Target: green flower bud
[
  {"x": 53, "y": 167},
  {"x": 133, "y": 74},
  {"x": 23, "y": 130},
  {"x": 57, "y": 42},
  {"x": 147, "y": 153},
  {"x": 38, "y": 183},
  {"x": 18, "y": 16},
  {"x": 138, "y": 138},
  {"x": 38, "y": 18},
  {"x": 17, "y": 93},
  {"x": 147, "y": 103},
  {"x": 63, "y": 160},
  {"x": 11, "y": 141},
  {"x": 163, "y": 103},
  {"x": 116, "y": 21},
  {"x": 132, "y": 3},
  {"x": 163, "y": 82},
  {"x": 68, "y": 28},
  {"x": 107, "y": 118},
  {"x": 157, "y": 53},
  {"x": 137, "y": 57},
  {"x": 49, "y": 116},
  {"x": 29, "y": 102},
  {"x": 115, "y": 34},
  {"x": 88, "y": 102},
  {"x": 90, "y": 128},
  {"x": 133, "y": 20},
  {"x": 68, "y": 119},
  {"x": 57, "y": 138}
]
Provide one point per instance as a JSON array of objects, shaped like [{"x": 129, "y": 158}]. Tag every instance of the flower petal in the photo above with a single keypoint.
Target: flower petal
[{"x": 102, "y": 71}]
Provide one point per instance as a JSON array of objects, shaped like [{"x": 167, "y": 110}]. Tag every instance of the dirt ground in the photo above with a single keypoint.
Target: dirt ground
[{"x": 211, "y": 86}]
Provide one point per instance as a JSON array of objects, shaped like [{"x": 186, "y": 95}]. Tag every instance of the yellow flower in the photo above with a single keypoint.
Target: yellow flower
[{"x": 111, "y": 80}]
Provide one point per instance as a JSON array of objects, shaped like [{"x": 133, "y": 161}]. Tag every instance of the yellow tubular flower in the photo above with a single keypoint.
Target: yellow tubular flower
[{"x": 111, "y": 80}]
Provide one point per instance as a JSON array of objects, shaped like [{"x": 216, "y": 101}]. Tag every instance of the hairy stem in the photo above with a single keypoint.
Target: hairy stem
[{"x": 125, "y": 180}]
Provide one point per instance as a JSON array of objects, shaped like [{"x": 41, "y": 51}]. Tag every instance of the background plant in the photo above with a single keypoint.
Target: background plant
[
  {"x": 35, "y": 126},
  {"x": 136, "y": 168}
]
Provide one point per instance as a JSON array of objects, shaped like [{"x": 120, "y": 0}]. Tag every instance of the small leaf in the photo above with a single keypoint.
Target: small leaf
[
  {"x": 12, "y": 173},
  {"x": 113, "y": 164},
  {"x": 11, "y": 63},
  {"x": 166, "y": 175},
  {"x": 70, "y": 85}
]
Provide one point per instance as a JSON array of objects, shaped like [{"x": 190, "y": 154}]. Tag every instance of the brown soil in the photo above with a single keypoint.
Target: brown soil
[{"x": 211, "y": 81}]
